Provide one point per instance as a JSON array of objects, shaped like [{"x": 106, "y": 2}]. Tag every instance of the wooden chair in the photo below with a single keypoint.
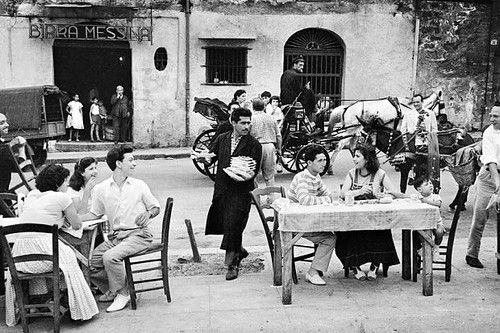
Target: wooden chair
[
  {"x": 161, "y": 247},
  {"x": 20, "y": 279},
  {"x": 8, "y": 204},
  {"x": 447, "y": 250},
  {"x": 257, "y": 195},
  {"x": 26, "y": 170}
]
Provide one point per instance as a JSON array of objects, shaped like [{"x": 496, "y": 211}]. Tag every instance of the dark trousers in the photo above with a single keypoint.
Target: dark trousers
[
  {"x": 120, "y": 129},
  {"x": 405, "y": 169}
]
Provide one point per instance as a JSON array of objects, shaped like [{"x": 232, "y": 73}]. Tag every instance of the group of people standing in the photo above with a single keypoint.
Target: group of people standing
[{"x": 121, "y": 111}]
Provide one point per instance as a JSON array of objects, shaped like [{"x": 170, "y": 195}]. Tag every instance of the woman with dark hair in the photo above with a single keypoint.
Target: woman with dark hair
[
  {"x": 82, "y": 182},
  {"x": 50, "y": 204},
  {"x": 355, "y": 248},
  {"x": 240, "y": 96}
]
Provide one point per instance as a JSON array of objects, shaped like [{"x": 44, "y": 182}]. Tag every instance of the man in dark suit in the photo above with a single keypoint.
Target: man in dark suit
[
  {"x": 120, "y": 110},
  {"x": 228, "y": 214}
]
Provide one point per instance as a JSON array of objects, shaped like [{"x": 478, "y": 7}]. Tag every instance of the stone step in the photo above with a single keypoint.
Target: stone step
[{"x": 66, "y": 146}]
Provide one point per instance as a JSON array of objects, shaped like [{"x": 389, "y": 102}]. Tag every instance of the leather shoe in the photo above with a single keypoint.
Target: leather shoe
[
  {"x": 232, "y": 272},
  {"x": 315, "y": 279},
  {"x": 473, "y": 262},
  {"x": 109, "y": 296},
  {"x": 119, "y": 303},
  {"x": 243, "y": 254}
]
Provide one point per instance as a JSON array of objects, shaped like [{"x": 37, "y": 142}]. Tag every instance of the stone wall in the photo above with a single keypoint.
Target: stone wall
[{"x": 453, "y": 56}]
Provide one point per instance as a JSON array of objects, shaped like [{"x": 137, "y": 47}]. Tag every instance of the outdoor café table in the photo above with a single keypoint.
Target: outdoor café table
[
  {"x": 86, "y": 244},
  {"x": 294, "y": 220}
]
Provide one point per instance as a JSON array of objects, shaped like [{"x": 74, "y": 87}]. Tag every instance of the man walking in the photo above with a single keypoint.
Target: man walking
[
  {"x": 487, "y": 184},
  {"x": 121, "y": 114},
  {"x": 129, "y": 206},
  {"x": 265, "y": 130},
  {"x": 228, "y": 214}
]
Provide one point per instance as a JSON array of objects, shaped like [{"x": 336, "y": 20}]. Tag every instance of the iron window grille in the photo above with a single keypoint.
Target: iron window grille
[{"x": 226, "y": 65}]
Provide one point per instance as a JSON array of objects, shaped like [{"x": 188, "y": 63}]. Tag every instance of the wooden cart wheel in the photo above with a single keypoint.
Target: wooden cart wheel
[
  {"x": 301, "y": 163},
  {"x": 211, "y": 170},
  {"x": 288, "y": 158},
  {"x": 203, "y": 141}
]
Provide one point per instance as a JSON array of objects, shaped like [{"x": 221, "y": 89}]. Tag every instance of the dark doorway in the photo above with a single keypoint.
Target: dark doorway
[
  {"x": 91, "y": 68},
  {"x": 323, "y": 52}
]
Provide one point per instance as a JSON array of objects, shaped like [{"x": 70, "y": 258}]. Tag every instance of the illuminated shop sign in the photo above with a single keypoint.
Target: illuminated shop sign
[{"x": 90, "y": 32}]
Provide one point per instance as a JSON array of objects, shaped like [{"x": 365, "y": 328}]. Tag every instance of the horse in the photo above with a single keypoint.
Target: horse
[{"x": 347, "y": 119}]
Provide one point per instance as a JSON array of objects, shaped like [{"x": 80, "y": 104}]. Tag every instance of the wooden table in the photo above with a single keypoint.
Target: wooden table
[
  {"x": 404, "y": 214},
  {"x": 86, "y": 244}
]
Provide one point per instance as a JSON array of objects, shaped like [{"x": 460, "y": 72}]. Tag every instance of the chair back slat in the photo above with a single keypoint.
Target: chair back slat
[
  {"x": 8, "y": 204},
  {"x": 32, "y": 257}
]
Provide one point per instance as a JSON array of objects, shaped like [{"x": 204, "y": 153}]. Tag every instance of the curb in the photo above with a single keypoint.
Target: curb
[{"x": 137, "y": 156}]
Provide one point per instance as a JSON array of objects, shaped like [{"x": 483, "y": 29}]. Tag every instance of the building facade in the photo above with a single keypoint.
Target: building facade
[{"x": 165, "y": 54}]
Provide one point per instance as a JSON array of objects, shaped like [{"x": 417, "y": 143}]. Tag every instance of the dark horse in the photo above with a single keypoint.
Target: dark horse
[{"x": 401, "y": 150}]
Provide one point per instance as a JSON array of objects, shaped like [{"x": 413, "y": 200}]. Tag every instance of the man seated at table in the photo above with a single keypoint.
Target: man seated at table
[
  {"x": 129, "y": 206},
  {"x": 308, "y": 189}
]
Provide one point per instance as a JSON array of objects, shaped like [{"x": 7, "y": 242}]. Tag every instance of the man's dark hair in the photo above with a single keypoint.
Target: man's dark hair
[
  {"x": 418, "y": 95},
  {"x": 116, "y": 154},
  {"x": 265, "y": 94},
  {"x": 370, "y": 155},
  {"x": 420, "y": 180},
  {"x": 258, "y": 104},
  {"x": 298, "y": 59},
  {"x": 238, "y": 93},
  {"x": 312, "y": 151},
  {"x": 240, "y": 112},
  {"x": 51, "y": 178},
  {"x": 77, "y": 180}
]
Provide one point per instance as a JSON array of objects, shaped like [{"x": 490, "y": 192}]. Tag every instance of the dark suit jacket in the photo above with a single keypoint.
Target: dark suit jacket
[
  {"x": 226, "y": 187},
  {"x": 119, "y": 107}
]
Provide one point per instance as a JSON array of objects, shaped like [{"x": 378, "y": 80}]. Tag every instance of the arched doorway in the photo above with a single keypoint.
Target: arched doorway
[
  {"x": 323, "y": 52},
  {"x": 92, "y": 68}
]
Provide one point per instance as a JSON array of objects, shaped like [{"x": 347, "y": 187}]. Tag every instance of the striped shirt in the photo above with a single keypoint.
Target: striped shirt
[
  {"x": 308, "y": 190},
  {"x": 264, "y": 127}
]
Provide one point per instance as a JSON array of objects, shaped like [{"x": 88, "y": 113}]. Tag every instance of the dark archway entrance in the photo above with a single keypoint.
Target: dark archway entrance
[
  {"x": 323, "y": 52},
  {"x": 90, "y": 68}
]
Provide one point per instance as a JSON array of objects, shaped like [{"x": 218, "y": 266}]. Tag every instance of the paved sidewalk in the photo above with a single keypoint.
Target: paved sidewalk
[
  {"x": 100, "y": 155},
  {"x": 469, "y": 303}
]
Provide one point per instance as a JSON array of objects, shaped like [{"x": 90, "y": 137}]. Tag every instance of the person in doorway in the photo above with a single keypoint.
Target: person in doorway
[
  {"x": 228, "y": 214},
  {"x": 103, "y": 115},
  {"x": 95, "y": 120},
  {"x": 120, "y": 110},
  {"x": 308, "y": 189},
  {"x": 487, "y": 187},
  {"x": 266, "y": 131},
  {"x": 74, "y": 109},
  {"x": 129, "y": 206}
]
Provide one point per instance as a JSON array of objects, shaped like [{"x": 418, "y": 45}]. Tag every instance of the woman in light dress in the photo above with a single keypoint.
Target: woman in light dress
[
  {"x": 50, "y": 204},
  {"x": 82, "y": 183},
  {"x": 75, "y": 117}
]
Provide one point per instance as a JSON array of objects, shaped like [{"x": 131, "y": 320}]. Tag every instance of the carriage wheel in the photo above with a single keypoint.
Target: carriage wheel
[
  {"x": 301, "y": 161},
  {"x": 288, "y": 155},
  {"x": 203, "y": 141},
  {"x": 211, "y": 170}
]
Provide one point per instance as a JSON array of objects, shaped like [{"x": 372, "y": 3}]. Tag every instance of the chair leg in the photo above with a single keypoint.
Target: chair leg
[
  {"x": 57, "y": 302},
  {"x": 415, "y": 258},
  {"x": 346, "y": 272},
  {"x": 164, "y": 274},
  {"x": 294, "y": 273},
  {"x": 22, "y": 300},
  {"x": 447, "y": 267},
  {"x": 130, "y": 284}
]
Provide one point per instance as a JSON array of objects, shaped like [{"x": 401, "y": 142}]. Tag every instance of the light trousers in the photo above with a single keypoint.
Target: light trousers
[
  {"x": 484, "y": 190},
  {"x": 326, "y": 245}
]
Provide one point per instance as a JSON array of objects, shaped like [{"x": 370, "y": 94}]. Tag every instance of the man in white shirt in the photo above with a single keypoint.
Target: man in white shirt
[
  {"x": 487, "y": 184},
  {"x": 420, "y": 121},
  {"x": 308, "y": 189},
  {"x": 129, "y": 206}
]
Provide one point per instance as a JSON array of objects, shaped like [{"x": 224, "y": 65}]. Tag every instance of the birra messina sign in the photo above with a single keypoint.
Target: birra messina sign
[{"x": 90, "y": 32}]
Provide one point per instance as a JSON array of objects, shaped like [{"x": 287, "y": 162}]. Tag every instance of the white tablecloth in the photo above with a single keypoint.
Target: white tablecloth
[{"x": 400, "y": 214}]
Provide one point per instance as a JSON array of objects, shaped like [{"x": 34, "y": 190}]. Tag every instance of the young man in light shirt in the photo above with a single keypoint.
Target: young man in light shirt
[
  {"x": 308, "y": 189},
  {"x": 487, "y": 184},
  {"x": 129, "y": 206}
]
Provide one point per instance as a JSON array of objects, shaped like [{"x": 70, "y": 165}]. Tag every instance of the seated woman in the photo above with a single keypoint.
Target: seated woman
[
  {"x": 82, "y": 182},
  {"x": 50, "y": 204},
  {"x": 355, "y": 248}
]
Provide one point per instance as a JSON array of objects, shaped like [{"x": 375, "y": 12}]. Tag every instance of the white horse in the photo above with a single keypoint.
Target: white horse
[{"x": 346, "y": 118}]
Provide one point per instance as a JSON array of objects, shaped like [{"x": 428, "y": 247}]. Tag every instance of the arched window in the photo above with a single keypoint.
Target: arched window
[
  {"x": 323, "y": 52},
  {"x": 161, "y": 58}
]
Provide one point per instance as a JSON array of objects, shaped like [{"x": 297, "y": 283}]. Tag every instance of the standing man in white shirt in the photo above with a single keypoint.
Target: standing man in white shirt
[
  {"x": 487, "y": 184},
  {"x": 420, "y": 121},
  {"x": 129, "y": 206}
]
